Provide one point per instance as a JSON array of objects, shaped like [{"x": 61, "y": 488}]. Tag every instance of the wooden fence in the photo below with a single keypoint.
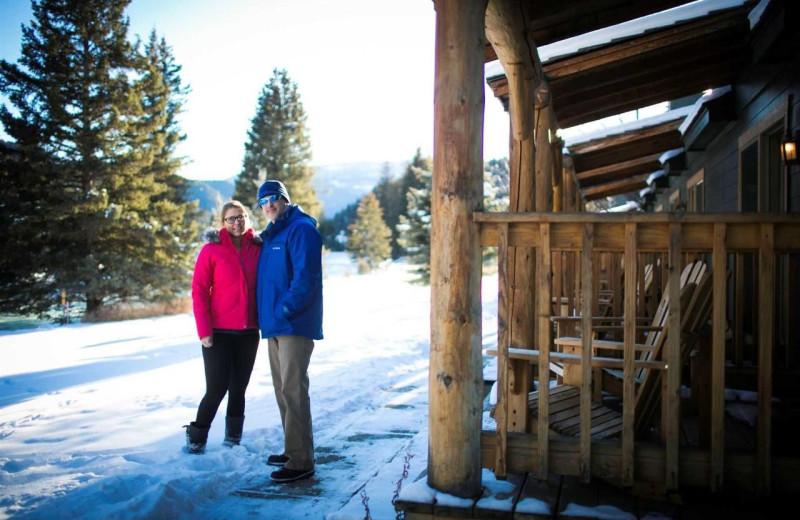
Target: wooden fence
[{"x": 568, "y": 250}]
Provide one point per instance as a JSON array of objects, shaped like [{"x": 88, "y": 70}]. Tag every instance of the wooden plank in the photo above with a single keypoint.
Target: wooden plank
[
  {"x": 739, "y": 302},
  {"x": 587, "y": 290},
  {"x": 558, "y": 280},
  {"x": 503, "y": 338},
  {"x": 576, "y": 359},
  {"x": 766, "y": 286},
  {"x": 543, "y": 296},
  {"x": 455, "y": 381},
  {"x": 538, "y": 498},
  {"x": 629, "y": 353},
  {"x": 718, "y": 360},
  {"x": 576, "y": 492},
  {"x": 673, "y": 355}
]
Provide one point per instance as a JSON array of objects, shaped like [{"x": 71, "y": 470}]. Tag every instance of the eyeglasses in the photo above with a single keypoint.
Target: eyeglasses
[
  {"x": 237, "y": 218},
  {"x": 263, "y": 201}
]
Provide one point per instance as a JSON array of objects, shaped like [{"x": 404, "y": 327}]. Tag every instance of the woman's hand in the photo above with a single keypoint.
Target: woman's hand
[{"x": 207, "y": 341}]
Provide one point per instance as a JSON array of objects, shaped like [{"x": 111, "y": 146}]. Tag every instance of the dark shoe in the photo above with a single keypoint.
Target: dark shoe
[
  {"x": 290, "y": 475},
  {"x": 277, "y": 460},
  {"x": 196, "y": 438},
  {"x": 233, "y": 431}
]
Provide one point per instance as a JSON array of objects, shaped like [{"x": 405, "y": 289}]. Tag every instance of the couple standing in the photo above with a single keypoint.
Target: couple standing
[{"x": 244, "y": 282}]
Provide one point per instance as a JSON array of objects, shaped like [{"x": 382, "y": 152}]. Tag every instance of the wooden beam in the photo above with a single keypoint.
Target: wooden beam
[
  {"x": 720, "y": 255},
  {"x": 522, "y": 272},
  {"x": 551, "y": 20},
  {"x": 587, "y": 255},
  {"x": 503, "y": 339},
  {"x": 672, "y": 404},
  {"x": 628, "y": 356},
  {"x": 621, "y": 170},
  {"x": 543, "y": 298},
  {"x": 675, "y": 39},
  {"x": 649, "y": 90},
  {"x": 615, "y": 187},
  {"x": 506, "y": 32},
  {"x": 618, "y": 148},
  {"x": 455, "y": 374},
  {"x": 766, "y": 295}
]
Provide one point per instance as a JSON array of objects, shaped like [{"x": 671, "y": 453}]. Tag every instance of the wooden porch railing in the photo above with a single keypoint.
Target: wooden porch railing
[{"x": 630, "y": 236}]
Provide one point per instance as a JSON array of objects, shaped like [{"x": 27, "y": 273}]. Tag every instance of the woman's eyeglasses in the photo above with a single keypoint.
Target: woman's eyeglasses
[{"x": 237, "y": 218}]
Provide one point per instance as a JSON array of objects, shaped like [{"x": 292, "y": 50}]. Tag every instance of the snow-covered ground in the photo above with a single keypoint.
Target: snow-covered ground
[{"x": 91, "y": 414}]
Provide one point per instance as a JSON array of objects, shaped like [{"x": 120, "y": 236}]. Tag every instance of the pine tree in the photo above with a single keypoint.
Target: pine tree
[
  {"x": 88, "y": 126},
  {"x": 279, "y": 146},
  {"x": 392, "y": 200},
  {"x": 415, "y": 226},
  {"x": 369, "y": 239}
]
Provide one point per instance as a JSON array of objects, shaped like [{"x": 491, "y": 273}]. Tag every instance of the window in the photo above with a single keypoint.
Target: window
[
  {"x": 762, "y": 178},
  {"x": 696, "y": 193},
  {"x": 675, "y": 200}
]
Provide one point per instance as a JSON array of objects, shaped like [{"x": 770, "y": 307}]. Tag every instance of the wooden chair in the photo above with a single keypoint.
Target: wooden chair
[{"x": 564, "y": 399}]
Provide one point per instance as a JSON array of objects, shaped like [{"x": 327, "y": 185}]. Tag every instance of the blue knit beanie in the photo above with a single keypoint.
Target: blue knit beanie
[{"x": 273, "y": 188}]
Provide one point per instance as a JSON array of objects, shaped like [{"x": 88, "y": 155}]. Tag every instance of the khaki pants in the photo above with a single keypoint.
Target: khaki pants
[{"x": 289, "y": 357}]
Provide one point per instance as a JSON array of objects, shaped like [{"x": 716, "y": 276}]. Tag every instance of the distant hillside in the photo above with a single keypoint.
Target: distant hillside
[
  {"x": 337, "y": 186},
  {"x": 211, "y": 195}
]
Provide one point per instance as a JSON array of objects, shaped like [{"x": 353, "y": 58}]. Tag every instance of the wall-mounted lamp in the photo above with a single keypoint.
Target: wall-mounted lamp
[{"x": 789, "y": 149}]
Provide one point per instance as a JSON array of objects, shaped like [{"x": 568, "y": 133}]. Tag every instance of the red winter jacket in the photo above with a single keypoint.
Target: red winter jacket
[{"x": 224, "y": 284}]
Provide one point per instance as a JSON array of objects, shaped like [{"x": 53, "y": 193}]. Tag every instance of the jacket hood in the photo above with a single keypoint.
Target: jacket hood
[{"x": 214, "y": 236}]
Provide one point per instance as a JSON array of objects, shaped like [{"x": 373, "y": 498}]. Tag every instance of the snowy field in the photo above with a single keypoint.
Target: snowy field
[{"x": 91, "y": 415}]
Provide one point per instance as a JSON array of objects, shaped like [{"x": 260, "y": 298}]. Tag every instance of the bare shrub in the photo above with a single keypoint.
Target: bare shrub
[{"x": 136, "y": 310}]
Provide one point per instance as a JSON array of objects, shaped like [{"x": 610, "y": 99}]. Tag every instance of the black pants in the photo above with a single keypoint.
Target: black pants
[{"x": 228, "y": 365}]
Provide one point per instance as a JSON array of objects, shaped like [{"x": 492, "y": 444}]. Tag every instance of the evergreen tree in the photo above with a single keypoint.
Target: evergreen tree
[
  {"x": 392, "y": 200},
  {"x": 89, "y": 122},
  {"x": 279, "y": 146},
  {"x": 369, "y": 239},
  {"x": 415, "y": 226},
  {"x": 334, "y": 230}
]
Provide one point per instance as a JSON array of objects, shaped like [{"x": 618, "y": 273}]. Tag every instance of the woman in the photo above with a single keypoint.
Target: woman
[{"x": 224, "y": 301}]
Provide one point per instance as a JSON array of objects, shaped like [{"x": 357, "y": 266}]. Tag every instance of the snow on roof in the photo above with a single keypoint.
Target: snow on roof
[
  {"x": 623, "y": 30},
  {"x": 655, "y": 175},
  {"x": 757, "y": 12},
  {"x": 631, "y": 205},
  {"x": 698, "y": 105},
  {"x": 670, "y": 115},
  {"x": 666, "y": 156}
]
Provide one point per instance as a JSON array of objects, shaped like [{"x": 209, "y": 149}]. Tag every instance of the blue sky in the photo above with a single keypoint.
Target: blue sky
[{"x": 364, "y": 69}]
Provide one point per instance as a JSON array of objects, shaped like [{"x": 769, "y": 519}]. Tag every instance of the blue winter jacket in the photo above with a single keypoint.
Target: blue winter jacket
[{"x": 289, "y": 281}]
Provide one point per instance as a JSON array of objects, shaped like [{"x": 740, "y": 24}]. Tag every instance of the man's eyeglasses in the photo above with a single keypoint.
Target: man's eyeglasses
[
  {"x": 263, "y": 201},
  {"x": 237, "y": 218}
]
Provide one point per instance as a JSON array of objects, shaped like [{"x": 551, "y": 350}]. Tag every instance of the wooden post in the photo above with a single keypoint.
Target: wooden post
[
  {"x": 766, "y": 282},
  {"x": 739, "y": 305},
  {"x": 629, "y": 353},
  {"x": 672, "y": 403},
  {"x": 506, "y": 33},
  {"x": 522, "y": 271},
  {"x": 587, "y": 256},
  {"x": 543, "y": 296},
  {"x": 455, "y": 374},
  {"x": 720, "y": 253},
  {"x": 501, "y": 410}
]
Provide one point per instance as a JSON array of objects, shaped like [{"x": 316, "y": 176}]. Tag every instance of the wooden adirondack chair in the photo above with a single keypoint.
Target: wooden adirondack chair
[{"x": 564, "y": 399}]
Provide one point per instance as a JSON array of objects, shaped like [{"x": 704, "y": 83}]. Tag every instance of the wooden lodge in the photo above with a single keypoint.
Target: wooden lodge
[{"x": 649, "y": 330}]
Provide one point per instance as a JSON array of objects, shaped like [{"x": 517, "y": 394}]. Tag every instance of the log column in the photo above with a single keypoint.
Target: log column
[
  {"x": 506, "y": 31},
  {"x": 455, "y": 377}
]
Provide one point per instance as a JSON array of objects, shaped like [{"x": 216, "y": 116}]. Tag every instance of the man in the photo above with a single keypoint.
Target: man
[{"x": 289, "y": 295}]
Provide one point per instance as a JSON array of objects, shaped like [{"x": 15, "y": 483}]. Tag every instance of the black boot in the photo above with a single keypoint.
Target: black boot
[
  {"x": 233, "y": 431},
  {"x": 196, "y": 438}
]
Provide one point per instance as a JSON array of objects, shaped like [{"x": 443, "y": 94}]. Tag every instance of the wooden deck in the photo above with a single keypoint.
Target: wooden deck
[{"x": 563, "y": 497}]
